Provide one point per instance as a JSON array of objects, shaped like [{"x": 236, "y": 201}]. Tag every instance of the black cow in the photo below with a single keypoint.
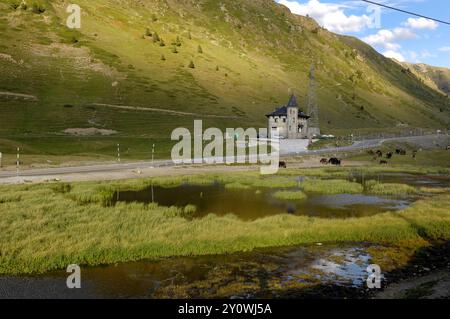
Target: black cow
[
  {"x": 282, "y": 165},
  {"x": 389, "y": 155},
  {"x": 379, "y": 153},
  {"x": 382, "y": 162},
  {"x": 334, "y": 161}
]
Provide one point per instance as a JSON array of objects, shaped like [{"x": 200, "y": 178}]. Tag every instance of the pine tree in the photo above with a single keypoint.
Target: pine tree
[
  {"x": 217, "y": 68},
  {"x": 200, "y": 50},
  {"x": 192, "y": 65},
  {"x": 163, "y": 58}
]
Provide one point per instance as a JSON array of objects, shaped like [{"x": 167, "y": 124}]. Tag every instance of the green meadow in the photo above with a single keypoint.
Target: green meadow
[{"x": 251, "y": 54}]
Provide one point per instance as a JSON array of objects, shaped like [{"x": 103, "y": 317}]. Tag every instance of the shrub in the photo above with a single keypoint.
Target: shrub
[
  {"x": 174, "y": 50},
  {"x": 163, "y": 58},
  {"x": 162, "y": 43},
  {"x": 37, "y": 8},
  {"x": 156, "y": 37},
  {"x": 192, "y": 65},
  {"x": 177, "y": 42},
  {"x": 148, "y": 33},
  {"x": 199, "y": 49},
  {"x": 24, "y": 6},
  {"x": 14, "y": 5},
  {"x": 62, "y": 188}
]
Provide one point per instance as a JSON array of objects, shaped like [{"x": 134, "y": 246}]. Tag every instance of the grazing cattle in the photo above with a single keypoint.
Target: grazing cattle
[
  {"x": 379, "y": 153},
  {"x": 383, "y": 162},
  {"x": 389, "y": 155},
  {"x": 334, "y": 161},
  {"x": 403, "y": 152},
  {"x": 282, "y": 165},
  {"x": 448, "y": 148},
  {"x": 324, "y": 161},
  {"x": 400, "y": 151},
  {"x": 414, "y": 154}
]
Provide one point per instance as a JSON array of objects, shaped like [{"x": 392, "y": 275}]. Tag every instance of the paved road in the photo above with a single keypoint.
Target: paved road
[{"x": 111, "y": 167}]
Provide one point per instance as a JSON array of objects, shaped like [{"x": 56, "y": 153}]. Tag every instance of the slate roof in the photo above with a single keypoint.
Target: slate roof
[{"x": 282, "y": 111}]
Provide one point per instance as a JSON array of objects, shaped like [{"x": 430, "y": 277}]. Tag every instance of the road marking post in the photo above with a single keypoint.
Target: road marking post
[
  {"x": 153, "y": 156},
  {"x": 18, "y": 162}
]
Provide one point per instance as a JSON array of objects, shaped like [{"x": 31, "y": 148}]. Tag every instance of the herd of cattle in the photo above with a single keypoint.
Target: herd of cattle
[{"x": 377, "y": 156}]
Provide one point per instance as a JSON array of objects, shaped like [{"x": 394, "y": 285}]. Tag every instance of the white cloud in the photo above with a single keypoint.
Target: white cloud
[
  {"x": 445, "y": 49},
  {"x": 394, "y": 55},
  {"x": 388, "y": 38},
  {"x": 421, "y": 23},
  {"x": 329, "y": 15}
]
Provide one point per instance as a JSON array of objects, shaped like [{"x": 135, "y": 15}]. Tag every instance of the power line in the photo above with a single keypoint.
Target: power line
[{"x": 407, "y": 12}]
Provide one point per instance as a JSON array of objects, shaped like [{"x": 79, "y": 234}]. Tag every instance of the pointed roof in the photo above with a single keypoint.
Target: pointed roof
[
  {"x": 282, "y": 111},
  {"x": 292, "y": 101}
]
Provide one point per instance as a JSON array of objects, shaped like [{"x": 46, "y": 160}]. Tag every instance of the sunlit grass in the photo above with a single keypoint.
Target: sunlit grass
[
  {"x": 48, "y": 226},
  {"x": 289, "y": 195},
  {"x": 331, "y": 186}
]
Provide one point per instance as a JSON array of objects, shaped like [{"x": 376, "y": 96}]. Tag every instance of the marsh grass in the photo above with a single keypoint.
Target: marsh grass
[
  {"x": 289, "y": 195},
  {"x": 390, "y": 189},
  {"x": 43, "y": 230},
  {"x": 335, "y": 186}
]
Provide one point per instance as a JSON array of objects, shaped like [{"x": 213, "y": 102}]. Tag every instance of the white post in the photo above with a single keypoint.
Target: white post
[
  {"x": 0, "y": 159},
  {"x": 118, "y": 153},
  {"x": 18, "y": 162},
  {"x": 153, "y": 155}
]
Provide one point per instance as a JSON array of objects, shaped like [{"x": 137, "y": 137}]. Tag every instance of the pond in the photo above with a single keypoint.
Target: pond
[
  {"x": 263, "y": 273},
  {"x": 251, "y": 204}
]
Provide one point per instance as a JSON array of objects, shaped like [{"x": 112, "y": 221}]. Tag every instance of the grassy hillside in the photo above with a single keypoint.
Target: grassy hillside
[
  {"x": 435, "y": 77},
  {"x": 228, "y": 62}
]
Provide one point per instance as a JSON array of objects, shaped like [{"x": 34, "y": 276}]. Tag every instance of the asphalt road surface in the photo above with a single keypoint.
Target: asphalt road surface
[{"x": 111, "y": 167}]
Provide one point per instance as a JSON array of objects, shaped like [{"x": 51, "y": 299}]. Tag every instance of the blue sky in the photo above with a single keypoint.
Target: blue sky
[{"x": 394, "y": 34}]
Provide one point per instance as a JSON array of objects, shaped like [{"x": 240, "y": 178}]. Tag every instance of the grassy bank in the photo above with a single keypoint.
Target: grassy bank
[{"x": 49, "y": 226}]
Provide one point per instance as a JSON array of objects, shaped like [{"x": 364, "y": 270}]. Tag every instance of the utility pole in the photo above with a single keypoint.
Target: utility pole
[{"x": 313, "y": 109}]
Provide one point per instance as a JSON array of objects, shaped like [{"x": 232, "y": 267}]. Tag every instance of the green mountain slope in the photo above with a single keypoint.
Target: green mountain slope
[
  {"x": 435, "y": 77},
  {"x": 228, "y": 62}
]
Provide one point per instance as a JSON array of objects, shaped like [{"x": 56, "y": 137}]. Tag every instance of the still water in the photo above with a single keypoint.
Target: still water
[
  {"x": 263, "y": 273},
  {"x": 251, "y": 204}
]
